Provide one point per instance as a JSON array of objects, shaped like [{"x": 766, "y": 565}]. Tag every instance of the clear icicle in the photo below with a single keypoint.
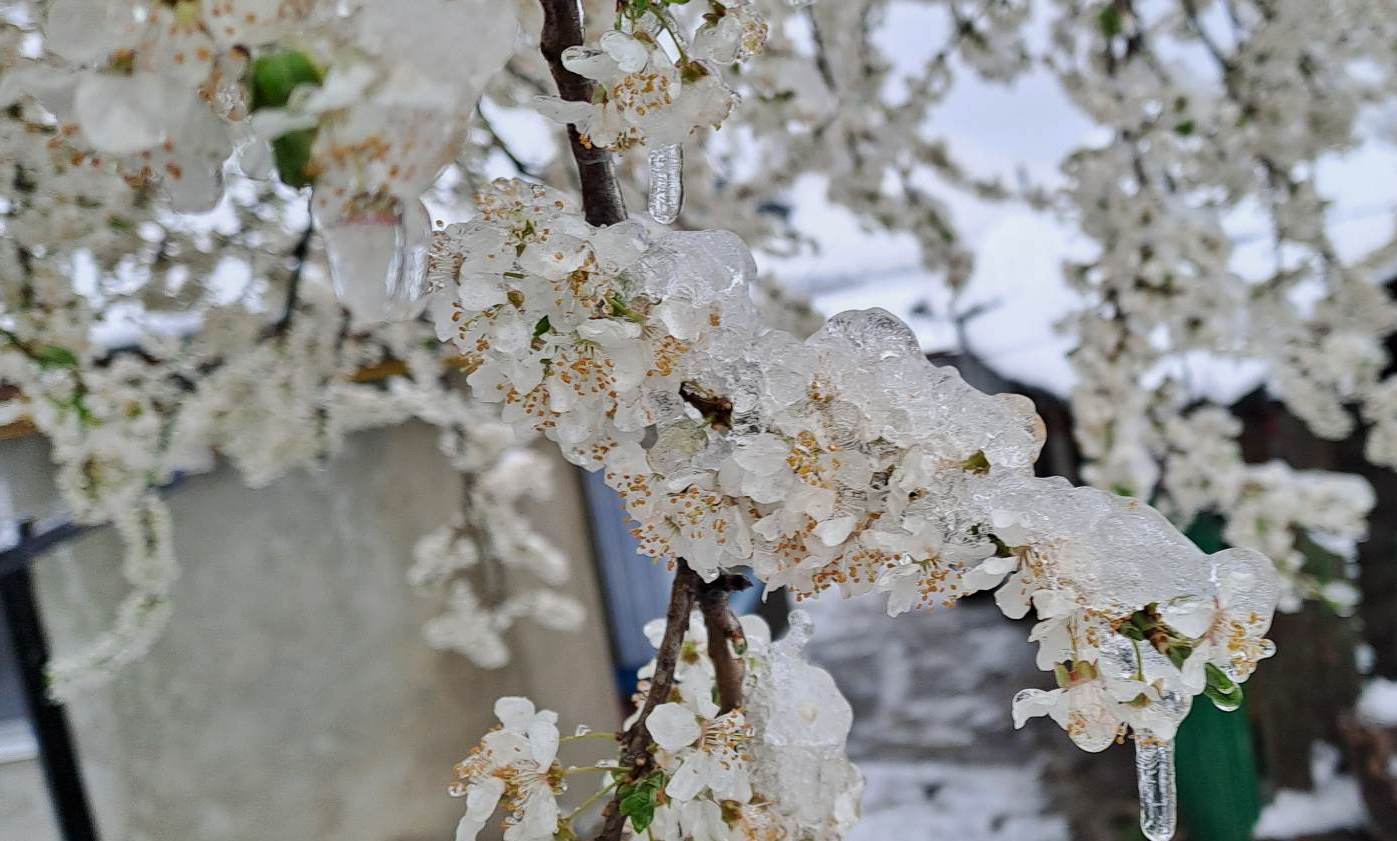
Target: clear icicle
[
  {"x": 378, "y": 257},
  {"x": 1154, "y": 769},
  {"x": 666, "y": 183}
]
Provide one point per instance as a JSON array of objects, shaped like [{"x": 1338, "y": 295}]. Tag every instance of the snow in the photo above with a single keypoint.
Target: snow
[
  {"x": 931, "y": 735},
  {"x": 922, "y": 801},
  {"x": 1335, "y": 803},
  {"x": 1378, "y": 703}
]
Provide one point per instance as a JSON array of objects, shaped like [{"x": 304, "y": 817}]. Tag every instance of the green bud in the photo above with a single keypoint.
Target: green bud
[
  {"x": 273, "y": 77},
  {"x": 1110, "y": 19},
  {"x": 291, "y": 152}
]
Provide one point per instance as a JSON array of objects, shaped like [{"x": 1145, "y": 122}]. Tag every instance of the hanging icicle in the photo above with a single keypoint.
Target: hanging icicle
[
  {"x": 666, "y": 183},
  {"x": 1154, "y": 769}
]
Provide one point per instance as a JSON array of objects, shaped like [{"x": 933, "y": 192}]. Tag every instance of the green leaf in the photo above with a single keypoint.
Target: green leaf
[
  {"x": 273, "y": 77},
  {"x": 1110, "y": 19},
  {"x": 978, "y": 463},
  {"x": 638, "y": 800},
  {"x": 1225, "y": 695},
  {"x": 1184, "y": 129},
  {"x": 543, "y": 326},
  {"x": 53, "y": 356},
  {"x": 640, "y": 808},
  {"x": 291, "y": 152}
]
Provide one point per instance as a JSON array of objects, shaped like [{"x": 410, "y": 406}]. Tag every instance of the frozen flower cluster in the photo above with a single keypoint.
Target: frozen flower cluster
[
  {"x": 845, "y": 460},
  {"x": 1190, "y": 154},
  {"x": 366, "y": 101},
  {"x": 656, "y": 79},
  {"x": 772, "y": 769}
]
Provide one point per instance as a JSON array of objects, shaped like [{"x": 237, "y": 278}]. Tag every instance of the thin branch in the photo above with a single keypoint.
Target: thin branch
[
  {"x": 1206, "y": 38},
  {"x": 601, "y": 193},
  {"x": 726, "y": 642},
  {"x": 821, "y": 52},
  {"x": 498, "y": 142},
  {"x": 635, "y": 742},
  {"x": 293, "y": 283}
]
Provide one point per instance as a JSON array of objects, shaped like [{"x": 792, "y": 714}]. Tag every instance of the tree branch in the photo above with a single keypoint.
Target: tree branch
[
  {"x": 635, "y": 742},
  {"x": 499, "y": 143},
  {"x": 726, "y": 642},
  {"x": 601, "y": 194},
  {"x": 293, "y": 283}
]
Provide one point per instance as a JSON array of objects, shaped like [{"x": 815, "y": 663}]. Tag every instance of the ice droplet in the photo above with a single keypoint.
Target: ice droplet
[
  {"x": 378, "y": 258},
  {"x": 666, "y": 183},
  {"x": 799, "y": 629},
  {"x": 1154, "y": 769}
]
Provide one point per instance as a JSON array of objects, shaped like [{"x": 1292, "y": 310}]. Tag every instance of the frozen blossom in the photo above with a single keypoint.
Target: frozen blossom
[
  {"x": 515, "y": 767},
  {"x": 845, "y": 460},
  {"x": 656, "y": 83},
  {"x": 772, "y": 769},
  {"x": 366, "y": 101}
]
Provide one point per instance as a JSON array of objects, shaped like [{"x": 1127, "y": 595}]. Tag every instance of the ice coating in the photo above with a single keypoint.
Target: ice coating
[
  {"x": 378, "y": 260},
  {"x": 846, "y": 460},
  {"x": 801, "y": 721},
  {"x": 666, "y": 197},
  {"x": 1154, "y": 769},
  {"x": 788, "y": 775}
]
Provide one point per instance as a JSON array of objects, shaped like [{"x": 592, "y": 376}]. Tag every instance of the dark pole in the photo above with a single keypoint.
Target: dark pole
[{"x": 57, "y": 751}]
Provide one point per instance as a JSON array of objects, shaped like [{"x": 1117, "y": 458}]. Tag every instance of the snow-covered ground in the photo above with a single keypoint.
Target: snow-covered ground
[
  {"x": 932, "y": 731},
  {"x": 1334, "y": 804}
]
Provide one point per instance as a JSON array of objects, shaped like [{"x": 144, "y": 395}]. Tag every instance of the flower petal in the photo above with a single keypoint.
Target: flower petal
[{"x": 674, "y": 726}]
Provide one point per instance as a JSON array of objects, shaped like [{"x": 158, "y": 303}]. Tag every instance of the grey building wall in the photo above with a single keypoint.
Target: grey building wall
[{"x": 292, "y": 698}]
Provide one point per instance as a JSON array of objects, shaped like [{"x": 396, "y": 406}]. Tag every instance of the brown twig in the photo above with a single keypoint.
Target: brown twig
[
  {"x": 688, "y": 591},
  {"x": 726, "y": 642},
  {"x": 601, "y": 193},
  {"x": 635, "y": 742},
  {"x": 299, "y": 254}
]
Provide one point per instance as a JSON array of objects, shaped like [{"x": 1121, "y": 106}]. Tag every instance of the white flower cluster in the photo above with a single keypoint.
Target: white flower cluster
[
  {"x": 366, "y": 100},
  {"x": 123, "y": 343},
  {"x": 471, "y": 557},
  {"x": 843, "y": 460},
  {"x": 1165, "y": 288},
  {"x": 646, "y": 96},
  {"x": 772, "y": 769},
  {"x": 1304, "y": 520}
]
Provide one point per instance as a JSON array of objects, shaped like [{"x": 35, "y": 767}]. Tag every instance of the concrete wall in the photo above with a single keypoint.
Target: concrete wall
[{"x": 292, "y": 698}]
